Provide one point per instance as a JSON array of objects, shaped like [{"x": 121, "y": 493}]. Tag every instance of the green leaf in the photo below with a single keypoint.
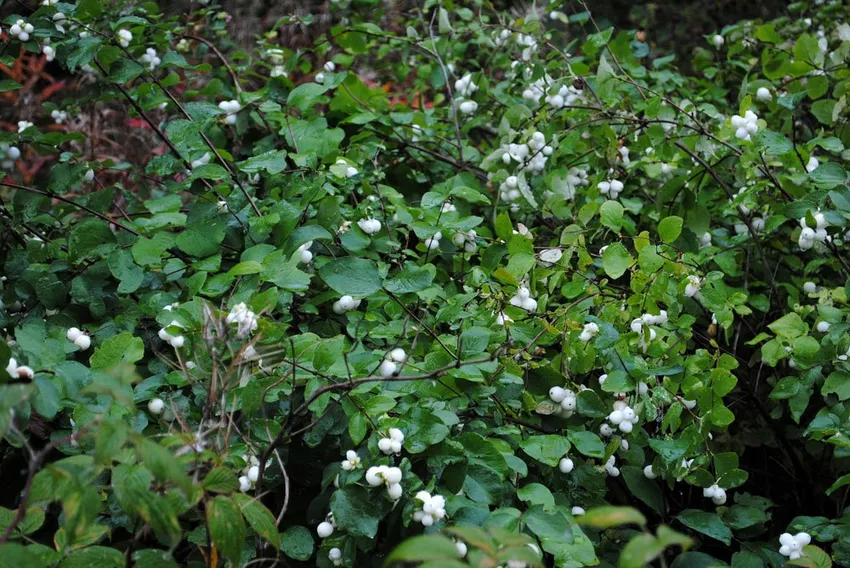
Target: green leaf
[
  {"x": 297, "y": 543},
  {"x": 123, "y": 268},
  {"x": 9, "y": 85},
  {"x": 670, "y": 228},
  {"x": 220, "y": 480},
  {"x": 354, "y": 276},
  {"x": 640, "y": 551},
  {"x": 616, "y": 260},
  {"x": 201, "y": 238},
  {"x": 13, "y": 554},
  {"x": 424, "y": 548},
  {"x": 273, "y": 162},
  {"x": 411, "y": 279},
  {"x": 706, "y": 523},
  {"x": 588, "y": 443},
  {"x": 829, "y": 175},
  {"x": 837, "y": 382},
  {"x": 548, "y": 449},
  {"x": 100, "y": 556},
  {"x": 839, "y": 483},
  {"x": 227, "y": 529},
  {"x": 790, "y": 326},
  {"x": 122, "y": 348},
  {"x": 537, "y": 494},
  {"x": 607, "y": 517},
  {"x": 261, "y": 519},
  {"x": 356, "y": 512},
  {"x": 611, "y": 214},
  {"x": 305, "y": 95},
  {"x": 644, "y": 489}
]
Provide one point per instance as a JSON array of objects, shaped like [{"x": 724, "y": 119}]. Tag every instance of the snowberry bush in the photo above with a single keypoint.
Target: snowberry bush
[{"x": 454, "y": 287}]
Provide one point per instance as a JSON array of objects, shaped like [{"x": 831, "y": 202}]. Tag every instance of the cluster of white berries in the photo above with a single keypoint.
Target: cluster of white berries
[
  {"x": 792, "y": 545},
  {"x": 509, "y": 190},
  {"x": 523, "y": 299},
  {"x": 231, "y": 108},
  {"x": 466, "y": 240},
  {"x": 19, "y": 371},
  {"x": 623, "y": 416},
  {"x": 565, "y": 398},
  {"x": 21, "y": 30},
  {"x": 716, "y": 493},
  {"x": 78, "y": 338},
  {"x": 565, "y": 96},
  {"x": 502, "y": 318},
  {"x": 389, "y": 367},
  {"x": 588, "y": 332},
  {"x": 124, "y": 37},
  {"x": 529, "y": 45},
  {"x": 541, "y": 152},
  {"x": 576, "y": 178},
  {"x": 345, "y": 304},
  {"x": 351, "y": 461},
  {"x": 746, "y": 125},
  {"x": 58, "y": 116},
  {"x": 535, "y": 91},
  {"x": 326, "y": 528},
  {"x": 433, "y": 508},
  {"x": 693, "y": 286},
  {"x": 151, "y": 59},
  {"x": 384, "y": 475},
  {"x": 250, "y": 475},
  {"x": 369, "y": 226},
  {"x": 279, "y": 71},
  {"x": 350, "y": 171},
  {"x": 48, "y": 51},
  {"x": 304, "y": 254},
  {"x": 433, "y": 242},
  {"x": 23, "y": 125},
  {"x": 245, "y": 319},
  {"x": 611, "y": 467},
  {"x": 393, "y": 443},
  {"x": 566, "y": 465},
  {"x": 328, "y": 67},
  {"x": 808, "y": 235},
  {"x": 176, "y": 341},
  {"x": 610, "y": 188},
  {"x": 464, "y": 88},
  {"x": 335, "y": 556},
  {"x": 8, "y": 155},
  {"x": 532, "y": 155}
]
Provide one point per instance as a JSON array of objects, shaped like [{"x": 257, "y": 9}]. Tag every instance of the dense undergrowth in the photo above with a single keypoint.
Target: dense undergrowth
[{"x": 450, "y": 287}]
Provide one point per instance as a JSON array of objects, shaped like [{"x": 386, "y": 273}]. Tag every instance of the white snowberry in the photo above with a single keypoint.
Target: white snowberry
[
  {"x": 566, "y": 465},
  {"x": 335, "y": 556},
  {"x": 577, "y": 511},
  {"x": 325, "y": 529},
  {"x": 244, "y": 483},
  {"x": 718, "y": 41},
  {"x": 588, "y": 332},
  {"x": 649, "y": 473},
  {"x": 124, "y": 37},
  {"x": 792, "y": 545},
  {"x": 73, "y": 333},
  {"x": 387, "y": 368},
  {"x": 809, "y": 287},
  {"x": 763, "y": 94},
  {"x": 83, "y": 342},
  {"x": 693, "y": 286},
  {"x": 156, "y": 406},
  {"x": 369, "y": 226},
  {"x": 823, "y": 326}
]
